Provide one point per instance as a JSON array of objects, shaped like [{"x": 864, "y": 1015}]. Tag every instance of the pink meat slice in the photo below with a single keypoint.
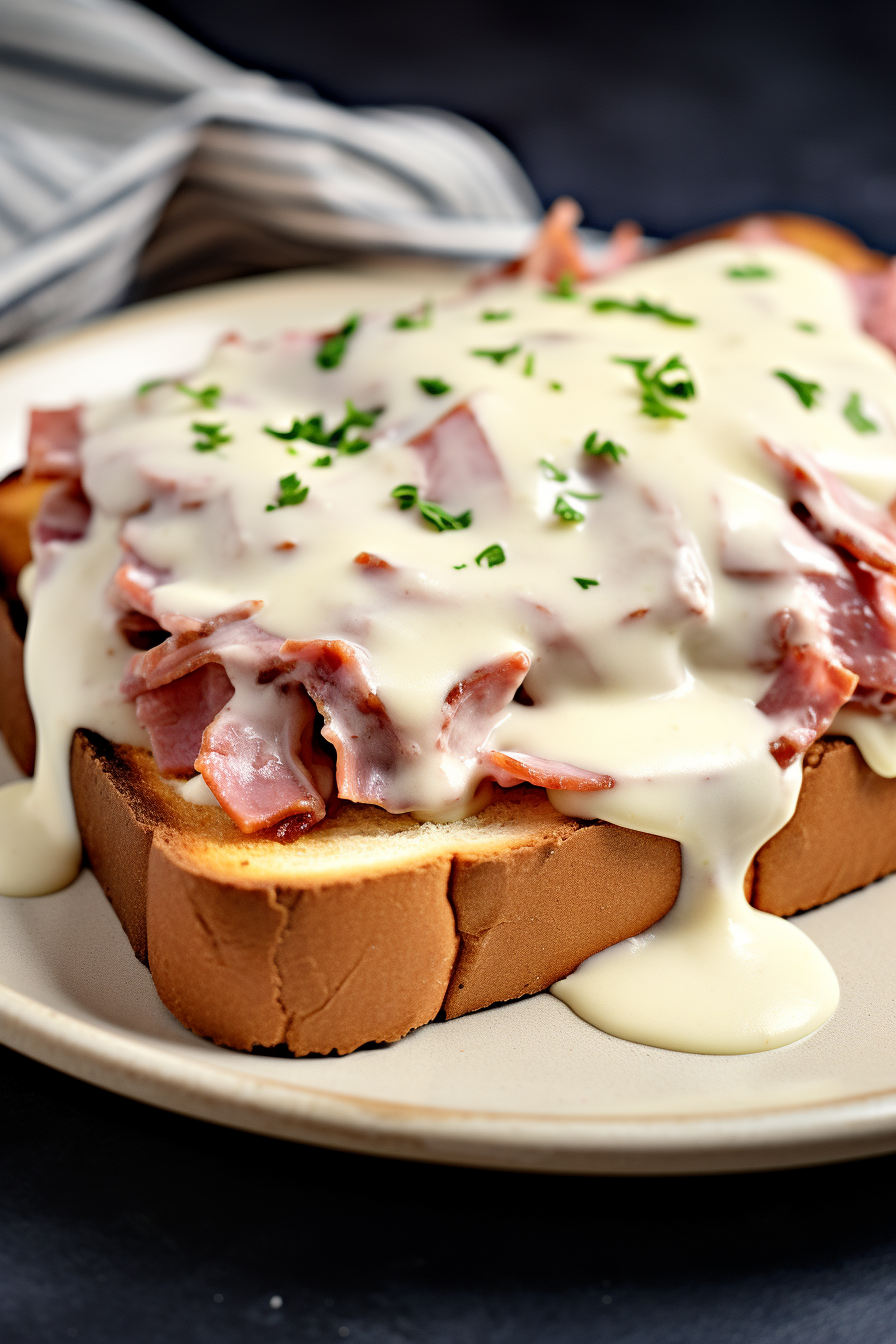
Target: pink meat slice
[
  {"x": 514, "y": 767},
  {"x": 806, "y": 693},
  {"x": 196, "y": 643},
  {"x": 337, "y": 676},
  {"x": 875, "y": 296},
  {"x": 177, "y": 714},
  {"x": 841, "y": 516},
  {"x": 557, "y": 251},
  {"x": 54, "y": 443},
  {"x": 64, "y": 513},
  {"x": 472, "y": 706},
  {"x": 859, "y": 612},
  {"x": 458, "y": 460},
  {"x": 256, "y": 771}
]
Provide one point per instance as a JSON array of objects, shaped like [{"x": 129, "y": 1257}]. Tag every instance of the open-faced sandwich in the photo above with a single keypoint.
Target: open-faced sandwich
[{"x": 541, "y": 637}]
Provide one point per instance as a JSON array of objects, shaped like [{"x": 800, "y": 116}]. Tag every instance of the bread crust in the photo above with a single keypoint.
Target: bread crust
[{"x": 371, "y": 924}]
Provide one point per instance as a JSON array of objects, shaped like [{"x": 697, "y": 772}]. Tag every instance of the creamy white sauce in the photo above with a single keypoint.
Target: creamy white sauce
[{"x": 649, "y": 675}]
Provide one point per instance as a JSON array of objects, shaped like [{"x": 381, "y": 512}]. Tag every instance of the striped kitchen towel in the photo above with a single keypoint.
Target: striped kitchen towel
[{"x": 110, "y": 116}]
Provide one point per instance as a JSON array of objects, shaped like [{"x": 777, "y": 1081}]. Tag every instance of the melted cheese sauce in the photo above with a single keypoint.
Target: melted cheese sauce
[{"x": 648, "y": 672}]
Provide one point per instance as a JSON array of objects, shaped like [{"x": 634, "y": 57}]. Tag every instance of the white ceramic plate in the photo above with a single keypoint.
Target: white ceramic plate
[{"x": 524, "y": 1085}]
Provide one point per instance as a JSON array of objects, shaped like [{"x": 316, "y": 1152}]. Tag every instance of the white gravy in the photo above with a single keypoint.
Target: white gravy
[{"x": 648, "y": 674}]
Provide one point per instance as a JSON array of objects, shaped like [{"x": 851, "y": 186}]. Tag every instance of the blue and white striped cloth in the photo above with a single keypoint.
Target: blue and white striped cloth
[{"x": 107, "y": 110}]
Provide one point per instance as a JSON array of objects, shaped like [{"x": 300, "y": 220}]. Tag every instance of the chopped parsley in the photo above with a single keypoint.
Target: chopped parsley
[
  {"x": 644, "y": 308},
  {"x": 565, "y": 511},
  {"x": 498, "y": 356},
  {"x": 672, "y": 379},
  {"x": 433, "y": 387},
  {"x": 564, "y": 287},
  {"x": 806, "y": 326},
  {"x": 594, "y": 448},
  {"x": 206, "y": 397},
  {"x": 751, "y": 270},
  {"x": 441, "y": 519},
  {"x": 325, "y": 461},
  {"x": 853, "y": 414},
  {"x": 492, "y": 555},
  {"x": 807, "y": 392},
  {"x": 413, "y": 321},
  {"x": 210, "y": 437},
  {"x": 150, "y": 386},
  {"x": 406, "y": 496},
  {"x": 555, "y": 387},
  {"x": 332, "y": 348},
  {"x": 587, "y": 583},
  {"x": 493, "y": 315},
  {"x": 292, "y": 491},
  {"x": 553, "y": 473},
  {"x": 458, "y": 566},
  {"x": 579, "y": 494},
  {"x": 529, "y": 366},
  {"x": 312, "y": 431}
]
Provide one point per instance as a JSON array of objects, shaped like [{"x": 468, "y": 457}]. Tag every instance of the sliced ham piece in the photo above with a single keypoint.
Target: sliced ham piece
[
  {"x": 133, "y": 582},
  {"x": 859, "y": 613},
  {"x": 177, "y": 714},
  {"x": 256, "y": 771},
  {"x": 64, "y": 514},
  {"x": 840, "y": 515},
  {"x": 805, "y": 695},
  {"x": 369, "y": 753},
  {"x": 514, "y": 767},
  {"x": 624, "y": 248},
  {"x": 875, "y": 295},
  {"x": 196, "y": 643},
  {"x": 473, "y": 705},
  {"x": 557, "y": 251},
  {"x": 54, "y": 443},
  {"x": 458, "y": 461}
]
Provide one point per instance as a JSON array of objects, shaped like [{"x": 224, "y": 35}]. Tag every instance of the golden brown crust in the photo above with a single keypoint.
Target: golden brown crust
[
  {"x": 835, "y": 244},
  {"x": 841, "y": 837},
  {"x": 529, "y": 916}
]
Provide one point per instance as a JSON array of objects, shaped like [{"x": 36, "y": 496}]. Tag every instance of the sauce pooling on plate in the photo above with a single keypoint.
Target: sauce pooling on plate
[{"x": 624, "y": 540}]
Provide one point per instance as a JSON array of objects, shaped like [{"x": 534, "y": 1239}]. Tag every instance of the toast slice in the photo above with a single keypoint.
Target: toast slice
[{"x": 371, "y": 924}]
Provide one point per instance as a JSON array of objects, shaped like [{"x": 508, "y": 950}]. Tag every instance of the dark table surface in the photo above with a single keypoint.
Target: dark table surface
[{"x": 123, "y": 1223}]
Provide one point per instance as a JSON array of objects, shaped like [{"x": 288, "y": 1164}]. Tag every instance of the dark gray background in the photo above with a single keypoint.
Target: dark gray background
[{"x": 121, "y": 1223}]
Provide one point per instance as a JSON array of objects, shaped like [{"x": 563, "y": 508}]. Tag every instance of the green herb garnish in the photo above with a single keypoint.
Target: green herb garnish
[
  {"x": 150, "y": 386},
  {"x": 565, "y": 511},
  {"x": 312, "y": 430},
  {"x": 751, "y": 270},
  {"x": 412, "y": 321},
  {"x": 556, "y": 387},
  {"x": 672, "y": 379},
  {"x": 643, "y": 308},
  {"x": 587, "y": 583},
  {"x": 806, "y": 326},
  {"x": 579, "y": 494},
  {"x": 564, "y": 287},
  {"x": 441, "y": 519},
  {"x": 498, "y": 356},
  {"x": 553, "y": 473},
  {"x": 211, "y": 437},
  {"x": 458, "y": 566},
  {"x": 332, "y": 348},
  {"x": 406, "y": 496},
  {"x": 490, "y": 315},
  {"x": 852, "y": 412},
  {"x": 325, "y": 461},
  {"x": 594, "y": 448},
  {"x": 207, "y": 397},
  {"x": 433, "y": 387},
  {"x": 807, "y": 392},
  {"x": 492, "y": 555},
  {"x": 529, "y": 366},
  {"x": 292, "y": 491}
]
